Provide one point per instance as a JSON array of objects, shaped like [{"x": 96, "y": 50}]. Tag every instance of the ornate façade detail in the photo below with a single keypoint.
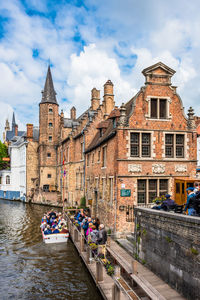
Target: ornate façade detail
[
  {"x": 134, "y": 168},
  {"x": 158, "y": 168},
  {"x": 180, "y": 168}
]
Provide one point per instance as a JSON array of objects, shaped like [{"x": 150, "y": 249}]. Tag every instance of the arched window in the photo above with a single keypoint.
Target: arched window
[
  {"x": 50, "y": 110},
  {"x": 7, "y": 179}
]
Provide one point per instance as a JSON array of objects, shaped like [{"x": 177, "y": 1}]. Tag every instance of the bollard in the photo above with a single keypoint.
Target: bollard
[
  {"x": 99, "y": 271},
  {"x": 82, "y": 241},
  {"x": 117, "y": 271},
  {"x": 134, "y": 266},
  {"x": 76, "y": 235},
  {"x": 115, "y": 292},
  {"x": 108, "y": 241}
]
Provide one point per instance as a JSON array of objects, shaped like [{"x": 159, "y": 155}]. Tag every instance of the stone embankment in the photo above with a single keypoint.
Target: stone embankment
[{"x": 131, "y": 280}]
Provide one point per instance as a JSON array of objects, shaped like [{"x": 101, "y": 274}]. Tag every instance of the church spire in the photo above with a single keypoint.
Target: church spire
[
  {"x": 13, "y": 121},
  {"x": 49, "y": 94}
]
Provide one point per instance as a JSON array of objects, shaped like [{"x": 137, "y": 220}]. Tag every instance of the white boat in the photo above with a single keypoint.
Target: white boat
[{"x": 55, "y": 238}]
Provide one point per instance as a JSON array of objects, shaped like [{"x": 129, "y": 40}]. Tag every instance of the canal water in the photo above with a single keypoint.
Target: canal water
[{"x": 30, "y": 269}]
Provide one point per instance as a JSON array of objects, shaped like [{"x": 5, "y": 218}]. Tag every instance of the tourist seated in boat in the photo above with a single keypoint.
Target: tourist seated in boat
[
  {"x": 64, "y": 230},
  {"x": 55, "y": 230},
  {"x": 48, "y": 230},
  {"x": 43, "y": 225}
]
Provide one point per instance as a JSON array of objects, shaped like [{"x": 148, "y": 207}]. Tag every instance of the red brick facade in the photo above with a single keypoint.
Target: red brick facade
[{"x": 139, "y": 148}]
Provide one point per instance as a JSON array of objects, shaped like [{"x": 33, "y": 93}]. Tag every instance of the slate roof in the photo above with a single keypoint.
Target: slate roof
[
  {"x": 49, "y": 94},
  {"x": 69, "y": 123},
  {"x": 10, "y": 134},
  {"x": 36, "y": 133},
  {"x": 109, "y": 132}
]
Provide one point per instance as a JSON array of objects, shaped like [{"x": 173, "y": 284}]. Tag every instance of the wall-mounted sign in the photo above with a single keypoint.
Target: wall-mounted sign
[
  {"x": 125, "y": 193},
  {"x": 123, "y": 186}
]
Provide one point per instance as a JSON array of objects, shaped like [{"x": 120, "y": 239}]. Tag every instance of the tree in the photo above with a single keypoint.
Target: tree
[{"x": 3, "y": 153}]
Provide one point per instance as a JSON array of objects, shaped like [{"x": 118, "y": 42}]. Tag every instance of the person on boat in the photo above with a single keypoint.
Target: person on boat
[
  {"x": 43, "y": 225},
  {"x": 55, "y": 230},
  {"x": 48, "y": 230},
  {"x": 64, "y": 230}
]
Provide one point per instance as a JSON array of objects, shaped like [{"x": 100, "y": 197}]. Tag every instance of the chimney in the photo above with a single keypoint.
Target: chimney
[
  {"x": 108, "y": 101},
  {"x": 95, "y": 98},
  {"x": 16, "y": 130},
  {"x": 190, "y": 120},
  {"x": 122, "y": 119},
  {"x": 29, "y": 131},
  {"x": 73, "y": 113}
]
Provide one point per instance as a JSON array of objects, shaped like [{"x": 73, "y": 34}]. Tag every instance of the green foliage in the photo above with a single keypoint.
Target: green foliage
[
  {"x": 194, "y": 251},
  {"x": 143, "y": 261},
  {"x": 3, "y": 153},
  {"x": 138, "y": 226},
  {"x": 159, "y": 199},
  {"x": 83, "y": 202},
  {"x": 109, "y": 231},
  {"x": 168, "y": 239},
  {"x": 144, "y": 232},
  {"x": 110, "y": 270}
]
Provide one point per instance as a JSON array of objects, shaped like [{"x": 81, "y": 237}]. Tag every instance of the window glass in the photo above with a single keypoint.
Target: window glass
[
  {"x": 169, "y": 147},
  {"x": 146, "y": 144},
  {"x": 135, "y": 144},
  {"x": 50, "y": 110},
  {"x": 7, "y": 179},
  {"x": 49, "y": 175},
  {"x": 163, "y": 186},
  {"x": 154, "y": 113},
  {"x": 163, "y": 108},
  {"x": 179, "y": 145},
  {"x": 50, "y": 138},
  {"x": 141, "y": 191},
  {"x": 48, "y": 154},
  {"x": 152, "y": 189},
  {"x": 50, "y": 125}
]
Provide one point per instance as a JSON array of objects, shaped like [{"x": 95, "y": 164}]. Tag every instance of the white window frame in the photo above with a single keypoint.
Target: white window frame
[
  {"x": 174, "y": 144},
  {"x": 168, "y": 114},
  {"x": 140, "y": 145},
  {"x": 104, "y": 156}
]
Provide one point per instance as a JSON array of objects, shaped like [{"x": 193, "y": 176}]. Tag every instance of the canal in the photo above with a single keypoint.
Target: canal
[{"x": 30, "y": 269}]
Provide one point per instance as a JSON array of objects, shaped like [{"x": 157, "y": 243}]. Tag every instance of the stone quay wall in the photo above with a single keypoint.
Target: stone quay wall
[{"x": 169, "y": 244}]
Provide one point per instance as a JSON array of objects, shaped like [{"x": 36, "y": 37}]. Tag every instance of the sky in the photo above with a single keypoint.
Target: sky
[{"x": 89, "y": 42}]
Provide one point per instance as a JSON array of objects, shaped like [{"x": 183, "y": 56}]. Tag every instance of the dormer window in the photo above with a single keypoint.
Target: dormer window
[{"x": 158, "y": 108}]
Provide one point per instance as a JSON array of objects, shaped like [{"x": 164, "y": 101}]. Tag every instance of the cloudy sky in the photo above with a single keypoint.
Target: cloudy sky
[{"x": 88, "y": 42}]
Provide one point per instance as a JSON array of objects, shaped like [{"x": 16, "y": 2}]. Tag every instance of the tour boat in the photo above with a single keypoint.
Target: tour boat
[{"x": 55, "y": 238}]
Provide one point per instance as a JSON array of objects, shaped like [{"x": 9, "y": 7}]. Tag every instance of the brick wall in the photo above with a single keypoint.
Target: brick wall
[{"x": 169, "y": 244}]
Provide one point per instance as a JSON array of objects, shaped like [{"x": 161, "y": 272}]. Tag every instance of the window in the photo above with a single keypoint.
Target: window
[
  {"x": 111, "y": 189},
  {"x": 77, "y": 180},
  {"x": 114, "y": 123},
  {"x": 0, "y": 179},
  {"x": 7, "y": 179},
  {"x": 50, "y": 110},
  {"x": 50, "y": 138},
  {"x": 97, "y": 183},
  {"x": 99, "y": 155},
  {"x": 81, "y": 181},
  {"x": 48, "y": 154},
  {"x": 50, "y": 125},
  {"x": 81, "y": 150},
  {"x": 149, "y": 189},
  {"x": 46, "y": 188},
  {"x": 104, "y": 156},
  {"x": 140, "y": 145},
  {"x": 158, "y": 108},
  {"x": 48, "y": 175},
  {"x": 174, "y": 145},
  {"x": 88, "y": 159},
  {"x": 103, "y": 187},
  {"x": 92, "y": 158}
]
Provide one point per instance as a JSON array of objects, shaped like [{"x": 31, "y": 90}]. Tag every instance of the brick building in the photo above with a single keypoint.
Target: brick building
[
  {"x": 139, "y": 151},
  {"x": 116, "y": 157}
]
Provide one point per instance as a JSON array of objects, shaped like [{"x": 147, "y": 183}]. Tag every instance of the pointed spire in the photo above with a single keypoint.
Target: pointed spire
[
  {"x": 13, "y": 121},
  {"x": 49, "y": 94}
]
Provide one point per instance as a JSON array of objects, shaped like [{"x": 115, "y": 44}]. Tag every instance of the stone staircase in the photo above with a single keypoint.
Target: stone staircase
[{"x": 127, "y": 243}]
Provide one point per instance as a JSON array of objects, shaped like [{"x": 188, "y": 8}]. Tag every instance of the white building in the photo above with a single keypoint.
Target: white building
[{"x": 13, "y": 181}]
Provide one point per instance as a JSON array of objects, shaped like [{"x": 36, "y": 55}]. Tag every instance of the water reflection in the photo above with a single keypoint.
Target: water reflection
[{"x": 31, "y": 269}]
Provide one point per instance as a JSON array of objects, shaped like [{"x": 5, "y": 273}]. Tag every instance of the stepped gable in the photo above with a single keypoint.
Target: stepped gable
[{"x": 49, "y": 94}]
